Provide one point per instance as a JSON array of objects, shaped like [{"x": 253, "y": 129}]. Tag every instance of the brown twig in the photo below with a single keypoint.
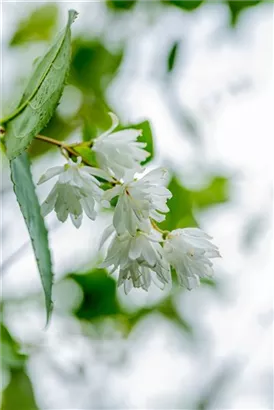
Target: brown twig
[{"x": 61, "y": 144}]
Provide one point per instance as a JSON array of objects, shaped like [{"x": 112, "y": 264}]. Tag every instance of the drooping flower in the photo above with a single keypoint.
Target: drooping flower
[
  {"x": 139, "y": 200},
  {"x": 189, "y": 251},
  {"x": 117, "y": 152},
  {"x": 139, "y": 259},
  {"x": 76, "y": 190}
]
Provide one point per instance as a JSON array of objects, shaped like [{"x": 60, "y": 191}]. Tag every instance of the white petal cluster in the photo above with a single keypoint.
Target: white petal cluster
[
  {"x": 138, "y": 251},
  {"x": 117, "y": 152},
  {"x": 138, "y": 201},
  {"x": 189, "y": 251},
  {"x": 139, "y": 259},
  {"x": 76, "y": 190}
]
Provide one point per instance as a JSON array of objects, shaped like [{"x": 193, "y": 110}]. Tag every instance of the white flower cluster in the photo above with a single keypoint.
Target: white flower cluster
[{"x": 139, "y": 250}]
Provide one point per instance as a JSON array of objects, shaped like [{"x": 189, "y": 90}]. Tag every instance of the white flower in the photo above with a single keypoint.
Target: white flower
[
  {"x": 140, "y": 200},
  {"x": 76, "y": 190},
  {"x": 189, "y": 251},
  {"x": 140, "y": 259},
  {"x": 119, "y": 151}
]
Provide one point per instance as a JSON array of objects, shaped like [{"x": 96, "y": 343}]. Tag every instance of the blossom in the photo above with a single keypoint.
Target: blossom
[
  {"x": 189, "y": 251},
  {"x": 139, "y": 259},
  {"x": 76, "y": 190},
  {"x": 139, "y": 200},
  {"x": 118, "y": 152}
]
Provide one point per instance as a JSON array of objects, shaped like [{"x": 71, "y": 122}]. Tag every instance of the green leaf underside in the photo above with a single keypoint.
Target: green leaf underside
[
  {"x": 25, "y": 193},
  {"x": 41, "y": 95}
]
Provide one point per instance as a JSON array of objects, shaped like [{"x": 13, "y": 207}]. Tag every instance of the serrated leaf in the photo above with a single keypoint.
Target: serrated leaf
[
  {"x": 25, "y": 193},
  {"x": 38, "y": 26},
  {"x": 41, "y": 95}
]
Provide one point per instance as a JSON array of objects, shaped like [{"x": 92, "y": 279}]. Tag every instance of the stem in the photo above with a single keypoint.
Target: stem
[
  {"x": 60, "y": 144},
  {"x": 13, "y": 114},
  {"x": 155, "y": 226},
  {"x": 55, "y": 142}
]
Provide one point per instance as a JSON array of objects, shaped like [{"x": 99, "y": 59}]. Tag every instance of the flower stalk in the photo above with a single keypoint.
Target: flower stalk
[{"x": 62, "y": 145}]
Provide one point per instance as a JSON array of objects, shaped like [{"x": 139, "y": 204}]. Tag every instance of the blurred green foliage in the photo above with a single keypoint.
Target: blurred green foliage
[
  {"x": 10, "y": 351},
  {"x": 19, "y": 393},
  {"x": 172, "y": 56},
  {"x": 92, "y": 66},
  {"x": 237, "y": 6},
  {"x": 184, "y": 201},
  {"x": 121, "y": 5},
  {"x": 38, "y": 26},
  {"x": 57, "y": 128},
  {"x": 100, "y": 301},
  {"x": 146, "y": 137},
  {"x": 187, "y": 5},
  {"x": 99, "y": 294},
  {"x": 180, "y": 206},
  {"x": 216, "y": 192}
]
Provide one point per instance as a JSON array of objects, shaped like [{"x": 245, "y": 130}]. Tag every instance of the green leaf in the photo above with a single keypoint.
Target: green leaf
[
  {"x": 10, "y": 350},
  {"x": 92, "y": 66},
  {"x": 188, "y": 221},
  {"x": 184, "y": 200},
  {"x": 237, "y": 6},
  {"x": 9, "y": 357},
  {"x": 121, "y": 4},
  {"x": 146, "y": 137},
  {"x": 187, "y": 5},
  {"x": 86, "y": 153},
  {"x": 208, "y": 282},
  {"x": 99, "y": 291},
  {"x": 172, "y": 56},
  {"x": 167, "y": 308},
  {"x": 58, "y": 127},
  {"x": 38, "y": 26},
  {"x": 25, "y": 193},
  {"x": 95, "y": 117},
  {"x": 41, "y": 95},
  {"x": 216, "y": 192},
  {"x": 19, "y": 393},
  {"x": 180, "y": 206}
]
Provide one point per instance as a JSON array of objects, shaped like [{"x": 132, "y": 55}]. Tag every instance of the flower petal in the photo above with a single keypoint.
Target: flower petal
[
  {"x": 50, "y": 173},
  {"x": 106, "y": 234}
]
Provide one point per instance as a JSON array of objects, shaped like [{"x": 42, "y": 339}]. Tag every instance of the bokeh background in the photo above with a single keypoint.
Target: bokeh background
[{"x": 197, "y": 75}]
